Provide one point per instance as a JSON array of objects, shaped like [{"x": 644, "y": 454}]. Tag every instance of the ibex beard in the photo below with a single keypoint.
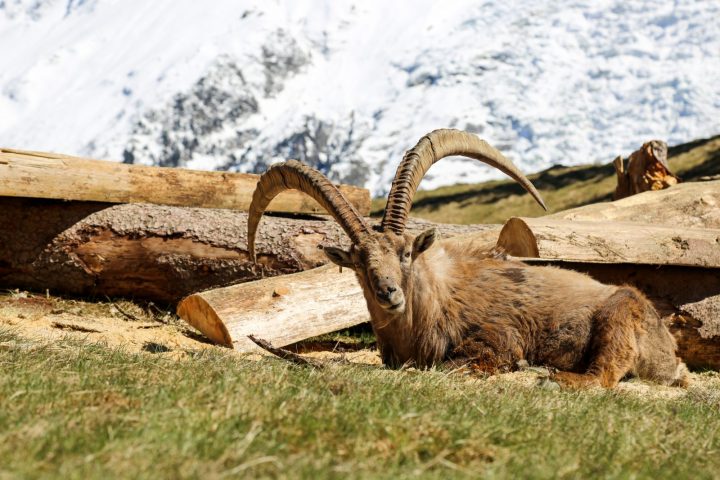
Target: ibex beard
[{"x": 454, "y": 302}]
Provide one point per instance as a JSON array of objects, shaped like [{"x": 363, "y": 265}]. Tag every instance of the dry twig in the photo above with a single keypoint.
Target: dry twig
[{"x": 285, "y": 354}]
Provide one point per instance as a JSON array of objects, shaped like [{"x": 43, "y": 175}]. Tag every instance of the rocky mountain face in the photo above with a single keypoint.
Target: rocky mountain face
[{"x": 210, "y": 120}]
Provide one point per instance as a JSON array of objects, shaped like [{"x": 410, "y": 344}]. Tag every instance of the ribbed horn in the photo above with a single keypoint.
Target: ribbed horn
[
  {"x": 431, "y": 148},
  {"x": 298, "y": 176}
]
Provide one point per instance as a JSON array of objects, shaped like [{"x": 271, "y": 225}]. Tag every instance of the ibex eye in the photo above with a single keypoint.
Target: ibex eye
[{"x": 407, "y": 255}]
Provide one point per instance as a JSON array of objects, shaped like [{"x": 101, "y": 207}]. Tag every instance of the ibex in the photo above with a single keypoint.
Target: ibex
[{"x": 433, "y": 302}]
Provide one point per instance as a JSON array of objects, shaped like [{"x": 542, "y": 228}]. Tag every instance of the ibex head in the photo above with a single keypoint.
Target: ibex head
[{"x": 382, "y": 259}]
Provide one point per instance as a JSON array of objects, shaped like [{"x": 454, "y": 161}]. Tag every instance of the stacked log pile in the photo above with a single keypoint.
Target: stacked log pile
[{"x": 92, "y": 228}]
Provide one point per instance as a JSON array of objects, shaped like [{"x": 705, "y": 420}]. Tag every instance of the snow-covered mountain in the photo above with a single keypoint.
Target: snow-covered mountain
[{"x": 349, "y": 86}]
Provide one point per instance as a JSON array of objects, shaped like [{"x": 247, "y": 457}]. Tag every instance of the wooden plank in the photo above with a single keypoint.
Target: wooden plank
[
  {"x": 55, "y": 176},
  {"x": 281, "y": 310},
  {"x": 610, "y": 242}
]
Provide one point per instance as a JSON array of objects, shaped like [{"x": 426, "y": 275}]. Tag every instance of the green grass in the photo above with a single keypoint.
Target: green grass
[
  {"x": 75, "y": 410},
  {"x": 561, "y": 188}
]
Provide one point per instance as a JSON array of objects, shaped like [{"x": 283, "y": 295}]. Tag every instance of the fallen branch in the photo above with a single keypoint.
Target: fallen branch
[
  {"x": 74, "y": 327},
  {"x": 128, "y": 315},
  {"x": 285, "y": 354}
]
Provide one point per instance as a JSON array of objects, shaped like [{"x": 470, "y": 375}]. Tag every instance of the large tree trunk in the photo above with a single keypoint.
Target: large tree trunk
[
  {"x": 164, "y": 253},
  {"x": 153, "y": 252},
  {"x": 51, "y": 175}
]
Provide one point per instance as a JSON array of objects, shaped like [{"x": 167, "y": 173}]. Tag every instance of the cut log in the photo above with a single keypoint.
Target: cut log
[
  {"x": 152, "y": 252},
  {"x": 610, "y": 242},
  {"x": 647, "y": 169},
  {"x": 281, "y": 310},
  {"x": 692, "y": 204},
  {"x": 55, "y": 176}
]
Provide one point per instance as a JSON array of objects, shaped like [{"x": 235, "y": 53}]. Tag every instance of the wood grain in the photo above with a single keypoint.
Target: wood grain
[
  {"x": 281, "y": 310},
  {"x": 610, "y": 242},
  {"x": 54, "y": 176},
  {"x": 692, "y": 204}
]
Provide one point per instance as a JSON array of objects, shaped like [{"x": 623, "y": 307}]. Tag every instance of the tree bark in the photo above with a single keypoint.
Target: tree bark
[
  {"x": 51, "y": 175},
  {"x": 159, "y": 253}
]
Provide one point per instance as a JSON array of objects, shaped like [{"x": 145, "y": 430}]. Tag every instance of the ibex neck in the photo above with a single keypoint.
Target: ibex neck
[{"x": 433, "y": 308}]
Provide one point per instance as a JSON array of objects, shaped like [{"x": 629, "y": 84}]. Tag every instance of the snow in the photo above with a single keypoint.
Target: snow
[{"x": 349, "y": 86}]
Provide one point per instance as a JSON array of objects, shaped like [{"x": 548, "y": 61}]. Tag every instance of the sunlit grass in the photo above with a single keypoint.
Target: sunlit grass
[{"x": 75, "y": 410}]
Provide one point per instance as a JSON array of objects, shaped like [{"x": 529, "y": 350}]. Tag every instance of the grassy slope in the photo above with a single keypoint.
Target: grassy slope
[
  {"x": 76, "y": 410},
  {"x": 561, "y": 188}
]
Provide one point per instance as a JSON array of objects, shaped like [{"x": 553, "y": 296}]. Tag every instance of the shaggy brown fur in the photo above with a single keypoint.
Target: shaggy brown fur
[{"x": 434, "y": 302}]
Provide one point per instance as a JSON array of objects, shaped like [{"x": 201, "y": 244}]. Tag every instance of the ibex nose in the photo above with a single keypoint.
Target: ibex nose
[{"x": 384, "y": 292}]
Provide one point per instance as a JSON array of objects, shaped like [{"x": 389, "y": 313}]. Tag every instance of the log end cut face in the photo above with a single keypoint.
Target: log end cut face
[{"x": 198, "y": 313}]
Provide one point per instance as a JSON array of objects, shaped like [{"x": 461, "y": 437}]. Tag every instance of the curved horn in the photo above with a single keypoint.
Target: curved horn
[
  {"x": 298, "y": 176},
  {"x": 431, "y": 148}
]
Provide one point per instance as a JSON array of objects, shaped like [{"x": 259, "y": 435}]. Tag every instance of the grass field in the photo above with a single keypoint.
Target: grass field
[{"x": 77, "y": 410}]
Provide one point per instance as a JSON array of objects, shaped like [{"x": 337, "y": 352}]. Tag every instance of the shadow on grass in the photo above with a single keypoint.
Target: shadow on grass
[
  {"x": 153, "y": 347},
  {"x": 686, "y": 147},
  {"x": 709, "y": 168}
]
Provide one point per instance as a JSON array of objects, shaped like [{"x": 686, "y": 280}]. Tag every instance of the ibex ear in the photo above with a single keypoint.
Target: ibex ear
[
  {"x": 424, "y": 241},
  {"x": 339, "y": 257}
]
